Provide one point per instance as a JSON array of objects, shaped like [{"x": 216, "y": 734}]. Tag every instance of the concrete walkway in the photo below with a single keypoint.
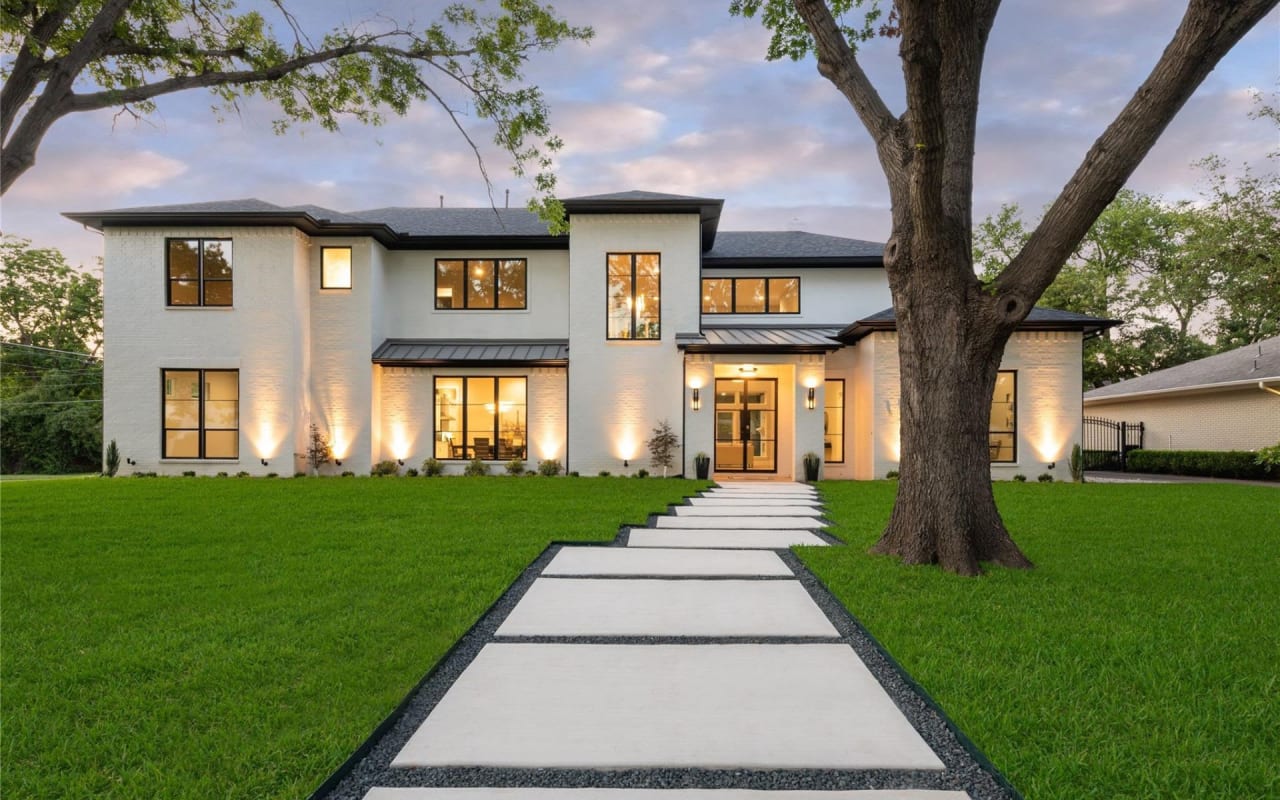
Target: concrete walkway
[{"x": 699, "y": 662}]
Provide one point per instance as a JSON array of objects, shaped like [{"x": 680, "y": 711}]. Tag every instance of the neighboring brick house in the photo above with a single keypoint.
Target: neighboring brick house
[
  {"x": 407, "y": 333},
  {"x": 1230, "y": 401}
]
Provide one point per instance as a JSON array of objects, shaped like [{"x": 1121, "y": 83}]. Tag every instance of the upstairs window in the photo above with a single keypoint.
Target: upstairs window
[
  {"x": 634, "y": 296},
  {"x": 482, "y": 283},
  {"x": 198, "y": 272},
  {"x": 335, "y": 267},
  {"x": 750, "y": 295}
]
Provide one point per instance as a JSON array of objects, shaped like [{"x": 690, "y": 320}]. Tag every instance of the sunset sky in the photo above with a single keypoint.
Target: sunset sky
[{"x": 673, "y": 96}]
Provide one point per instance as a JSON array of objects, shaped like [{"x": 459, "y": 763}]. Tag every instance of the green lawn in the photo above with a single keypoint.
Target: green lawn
[
  {"x": 238, "y": 638},
  {"x": 1140, "y": 659}
]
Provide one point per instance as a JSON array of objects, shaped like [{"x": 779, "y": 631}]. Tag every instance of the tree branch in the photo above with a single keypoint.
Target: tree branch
[
  {"x": 1207, "y": 31},
  {"x": 838, "y": 64},
  {"x": 29, "y": 64}
]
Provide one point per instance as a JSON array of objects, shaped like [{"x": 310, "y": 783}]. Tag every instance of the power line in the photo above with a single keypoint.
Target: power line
[
  {"x": 44, "y": 402},
  {"x": 83, "y": 356}
]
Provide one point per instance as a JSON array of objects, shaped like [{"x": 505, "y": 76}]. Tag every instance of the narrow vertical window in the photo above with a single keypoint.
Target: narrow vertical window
[
  {"x": 198, "y": 272},
  {"x": 634, "y": 296},
  {"x": 833, "y": 422},
  {"x": 335, "y": 268},
  {"x": 1003, "y": 431},
  {"x": 201, "y": 416}
]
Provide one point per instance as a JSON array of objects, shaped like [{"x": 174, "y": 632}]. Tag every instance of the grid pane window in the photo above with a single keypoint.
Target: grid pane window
[
  {"x": 482, "y": 283},
  {"x": 335, "y": 268},
  {"x": 833, "y": 422},
  {"x": 1003, "y": 430},
  {"x": 634, "y": 296},
  {"x": 480, "y": 417},
  {"x": 201, "y": 413},
  {"x": 198, "y": 272},
  {"x": 750, "y": 295}
]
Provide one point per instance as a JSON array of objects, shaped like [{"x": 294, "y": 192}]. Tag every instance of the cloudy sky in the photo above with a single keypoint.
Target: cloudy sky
[{"x": 674, "y": 96}]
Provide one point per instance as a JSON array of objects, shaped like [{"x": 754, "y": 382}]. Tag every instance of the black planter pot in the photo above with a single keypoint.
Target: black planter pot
[
  {"x": 702, "y": 466},
  {"x": 811, "y": 466}
]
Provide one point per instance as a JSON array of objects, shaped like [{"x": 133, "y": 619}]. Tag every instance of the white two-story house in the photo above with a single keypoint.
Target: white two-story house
[{"x": 463, "y": 333}]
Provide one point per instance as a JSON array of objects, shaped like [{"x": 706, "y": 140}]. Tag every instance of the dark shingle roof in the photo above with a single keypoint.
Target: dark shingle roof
[
  {"x": 1255, "y": 362},
  {"x": 732, "y": 248},
  {"x": 1040, "y": 318},
  {"x": 760, "y": 339},
  {"x": 489, "y": 352},
  {"x": 457, "y": 221},
  {"x": 637, "y": 195}
]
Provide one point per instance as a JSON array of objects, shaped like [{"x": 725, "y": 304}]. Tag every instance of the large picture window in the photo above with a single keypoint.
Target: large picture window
[
  {"x": 198, "y": 272},
  {"x": 634, "y": 296},
  {"x": 750, "y": 295},
  {"x": 1003, "y": 431},
  {"x": 482, "y": 283},
  {"x": 201, "y": 413},
  {"x": 480, "y": 417},
  {"x": 833, "y": 422}
]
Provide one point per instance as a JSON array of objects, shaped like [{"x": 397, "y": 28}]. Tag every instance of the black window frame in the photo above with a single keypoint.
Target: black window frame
[
  {"x": 350, "y": 277},
  {"x": 733, "y": 294},
  {"x": 202, "y": 429},
  {"x": 1013, "y": 432},
  {"x": 844, "y": 388},
  {"x": 632, "y": 338},
  {"x": 169, "y": 280},
  {"x": 497, "y": 289},
  {"x": 465, "y": 409}
]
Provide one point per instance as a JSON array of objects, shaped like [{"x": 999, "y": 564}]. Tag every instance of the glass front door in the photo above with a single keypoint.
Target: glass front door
[{"x": 746, "y": 425}]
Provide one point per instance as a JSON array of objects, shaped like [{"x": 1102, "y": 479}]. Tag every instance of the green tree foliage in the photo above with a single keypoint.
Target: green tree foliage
[
  {"x": 50, "y": 376},
  {"x": 69, "y": 56},
  {"x": 662, "y": 446}
]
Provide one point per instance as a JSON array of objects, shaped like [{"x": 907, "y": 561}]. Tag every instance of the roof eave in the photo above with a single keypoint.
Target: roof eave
[
  {"x": 708, "y": 211},
  {"x": 863, "y": 328},
  {"x": 729, "y": 262},
  {"x": 442, "y": 362},
  {"x": 760, "y": 349},
  {"x": 1204, "y": 388}
]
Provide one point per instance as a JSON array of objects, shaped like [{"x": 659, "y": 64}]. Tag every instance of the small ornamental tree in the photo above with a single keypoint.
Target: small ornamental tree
[
  {"x": 319, "y": 452},
  {"x": 662, "y": 447}
]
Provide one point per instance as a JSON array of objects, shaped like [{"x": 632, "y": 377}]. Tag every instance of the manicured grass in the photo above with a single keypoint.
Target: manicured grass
[
  {"x": 238, "y": 638},
  {"x": 1140, "y": 659}
]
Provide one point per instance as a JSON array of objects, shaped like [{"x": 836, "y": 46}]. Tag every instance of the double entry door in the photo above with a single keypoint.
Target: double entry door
[{"x": 746, "y": 425}]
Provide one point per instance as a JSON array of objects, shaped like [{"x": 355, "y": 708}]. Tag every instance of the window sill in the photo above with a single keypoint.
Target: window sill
[
  {"x": 200, "y": 308},
  {"x": 199, "y": 461}
]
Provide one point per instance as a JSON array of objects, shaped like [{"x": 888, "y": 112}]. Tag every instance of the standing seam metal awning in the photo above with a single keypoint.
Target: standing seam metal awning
[
  {"x": 481, "y": 352},
  {"x": 760, "y": 340}
]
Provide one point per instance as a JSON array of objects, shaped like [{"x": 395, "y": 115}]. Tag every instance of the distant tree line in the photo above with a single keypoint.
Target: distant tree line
[
  {"x": 50, "y": 364},
  {"x": 1189, "y": 279}
]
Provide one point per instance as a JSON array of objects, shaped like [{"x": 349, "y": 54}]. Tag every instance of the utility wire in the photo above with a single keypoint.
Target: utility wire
[{"x": 84, "y": 356}]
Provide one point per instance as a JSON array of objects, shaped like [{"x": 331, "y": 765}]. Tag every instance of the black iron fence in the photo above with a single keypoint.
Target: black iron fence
[{"x": 1107, "y": 443}]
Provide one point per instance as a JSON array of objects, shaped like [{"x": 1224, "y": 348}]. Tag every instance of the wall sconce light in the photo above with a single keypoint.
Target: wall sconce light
[
  {"x": 747, "y": 369},
  {"x": 337, "y": 462},
  {"x": 696, "y": 402},
  {"x": 811, "y": 401},
  {"x": 264, "y": 462}
]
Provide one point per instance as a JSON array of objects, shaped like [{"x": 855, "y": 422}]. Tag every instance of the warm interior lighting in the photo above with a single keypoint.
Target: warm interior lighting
[
  {"x": 811, "y": 401},
  {"x": 696, "y": 402}
]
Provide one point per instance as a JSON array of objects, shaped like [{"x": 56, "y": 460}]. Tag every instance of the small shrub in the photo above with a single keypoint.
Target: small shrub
[
  {"x": 476, "y": 468},
  {"x": 574, "y": 474},
  {"x": 348, "y": 474},
  {"x": 112, "y": 459},
  {"x": 549, "y": 468},
  {"x": 140, "y": 474},
  {"x": 891, "y": 475},
  {"x": 273, "y": 474},
  {"x": 662, "y": 447},
  {"x": 432, "y": 467},
  {"x": 515, "y": 467},
  {"x": 644, "y": 473},
  {"x": 388, "y": 467},
  {"x": 1044, "y": 477},
  {"x": 1237, "y": 464},
  {"x": 242, "y": 474},
  {"x": 1020, "y": 478},
  {"x": 191, "y": 473},
  {"x": 299, "y": 474},
  {"x": 221, "y": 475},
  {"x": 604, "y": 473},
  {"x": 1077, "y": 464},
  {"x": 1268, "y": 457},
  {"x": 411, "y": 473}
]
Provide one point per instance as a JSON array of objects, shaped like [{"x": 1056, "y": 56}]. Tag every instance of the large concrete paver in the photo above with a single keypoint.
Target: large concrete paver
[
  {"x": 746, "y": 522},
  {"x": 737, "y": 539},
  {"x": 674, "y": 562},
  {"x": 639, "y": 607},
  {"x": 658, "y": 794},
  {"x": 726, "y": 502},
  {"x": 731, "y": 706},
  {"x": 746, "y": 509}
]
